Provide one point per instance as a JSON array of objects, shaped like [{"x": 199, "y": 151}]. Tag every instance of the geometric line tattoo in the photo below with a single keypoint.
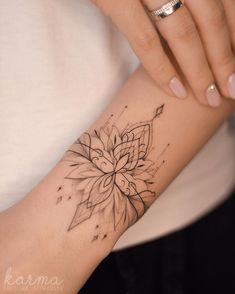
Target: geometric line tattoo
[{"x": 111, "y": 175}]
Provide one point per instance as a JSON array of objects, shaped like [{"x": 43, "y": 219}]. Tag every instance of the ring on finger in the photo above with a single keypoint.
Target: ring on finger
[{"x": 166, "y": 9}]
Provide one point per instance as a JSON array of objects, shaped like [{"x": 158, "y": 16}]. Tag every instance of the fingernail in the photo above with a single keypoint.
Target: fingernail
[
  {"x": 231, "y": 85},
  {"x": 178, "y": 88},
  {"x": 213, "y": 96}
]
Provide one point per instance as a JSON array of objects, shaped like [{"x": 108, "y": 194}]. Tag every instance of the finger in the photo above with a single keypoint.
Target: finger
[
  {"x": 132, "y": 20},
  {"x": 229, "y": 6},
  {"x": 181, "y": 34},
  {"x": 210, "y": 14}
]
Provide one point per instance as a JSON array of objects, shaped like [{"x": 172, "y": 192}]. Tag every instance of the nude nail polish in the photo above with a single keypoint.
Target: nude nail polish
[
  {"x": 178, "y": 88},
  {"x": 231, "y": 86},
  {"x": 213, "y": 96}
]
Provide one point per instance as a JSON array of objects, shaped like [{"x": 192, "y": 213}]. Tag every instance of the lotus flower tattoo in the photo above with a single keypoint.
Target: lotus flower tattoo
[{"x": 111, "y": 174}]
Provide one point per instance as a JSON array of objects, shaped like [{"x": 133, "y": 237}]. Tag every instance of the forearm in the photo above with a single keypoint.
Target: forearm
[{"x": 105, "y": 182}]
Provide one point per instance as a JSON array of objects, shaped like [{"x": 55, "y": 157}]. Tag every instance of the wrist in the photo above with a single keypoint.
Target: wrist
[{"x": 41, "y": 243}]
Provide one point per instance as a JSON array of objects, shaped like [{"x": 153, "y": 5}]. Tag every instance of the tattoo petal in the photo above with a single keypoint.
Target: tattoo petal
[{"x": 110, "y": 175}]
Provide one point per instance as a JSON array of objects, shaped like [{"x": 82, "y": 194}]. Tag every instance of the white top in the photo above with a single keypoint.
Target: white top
[{"x": 60, "y": 64}]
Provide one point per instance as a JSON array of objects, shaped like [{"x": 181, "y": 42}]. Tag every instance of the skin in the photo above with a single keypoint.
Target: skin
[
  {"x": 34, "y": 236},
  {"x": 200, "y": 35}
]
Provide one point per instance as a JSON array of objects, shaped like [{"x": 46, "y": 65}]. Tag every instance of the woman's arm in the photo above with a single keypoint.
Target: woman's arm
[{"x": 105, "y": 181}]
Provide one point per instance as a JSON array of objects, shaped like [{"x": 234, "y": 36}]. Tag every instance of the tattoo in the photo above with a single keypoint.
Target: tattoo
[{"x": 111, "y": 174}]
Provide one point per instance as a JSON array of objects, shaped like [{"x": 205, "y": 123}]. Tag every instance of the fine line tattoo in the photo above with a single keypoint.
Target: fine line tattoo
[{"x": 111, "y": 174}]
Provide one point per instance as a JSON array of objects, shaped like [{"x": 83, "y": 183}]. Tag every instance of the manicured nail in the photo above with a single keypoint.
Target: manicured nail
[
  {"x": 178, "y": 88},
  {"x": 213, "y": 96},
  {"x": 231, "y": 85}
]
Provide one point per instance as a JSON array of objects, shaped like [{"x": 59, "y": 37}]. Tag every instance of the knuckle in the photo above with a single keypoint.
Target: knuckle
[
  {"x": 186, "y": 30},
  {"x": 147, "y": 40},
  {"x": 217, "y": 17}
]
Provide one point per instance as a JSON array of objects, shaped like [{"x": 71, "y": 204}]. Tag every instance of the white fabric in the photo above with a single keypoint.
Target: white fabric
[{"x": 60, "y": 63}]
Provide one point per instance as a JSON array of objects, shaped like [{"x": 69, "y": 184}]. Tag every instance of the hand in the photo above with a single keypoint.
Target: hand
[{"x": 200, "y": 35}]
